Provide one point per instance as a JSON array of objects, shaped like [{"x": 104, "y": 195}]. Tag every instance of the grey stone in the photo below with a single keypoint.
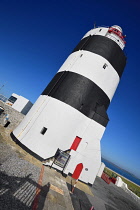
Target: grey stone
[{"x": 15, "y": 117}]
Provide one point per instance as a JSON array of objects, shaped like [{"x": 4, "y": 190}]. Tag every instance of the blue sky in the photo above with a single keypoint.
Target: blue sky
[{"x": 37, "y": 36}]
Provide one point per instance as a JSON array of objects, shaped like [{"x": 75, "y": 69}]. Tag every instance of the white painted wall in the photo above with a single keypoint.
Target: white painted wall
[
  {"x": 22, "y": 104},
  {"x": 52, "y": 117},
  {"x": 120, "y": 183},
  {"x": 88, "y": 152},
  {"x": 61, "y": 135},
  {"x": 101, "y": 169},
  {"x": 97, "y": 31}
]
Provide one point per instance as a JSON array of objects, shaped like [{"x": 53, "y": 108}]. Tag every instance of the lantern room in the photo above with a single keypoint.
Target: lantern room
[{"x": 116, "y": 34}]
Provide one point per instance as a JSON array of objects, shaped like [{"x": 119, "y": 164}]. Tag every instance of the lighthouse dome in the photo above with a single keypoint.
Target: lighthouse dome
[{"x": 118, "y": 28}]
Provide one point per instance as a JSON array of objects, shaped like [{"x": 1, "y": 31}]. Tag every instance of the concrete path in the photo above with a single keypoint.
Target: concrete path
[
  {"x": 54, "y": 193},
  {"x": 106, "y": 197}
]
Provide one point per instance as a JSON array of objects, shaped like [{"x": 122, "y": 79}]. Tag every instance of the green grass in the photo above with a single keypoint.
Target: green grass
[{"x": 131, "y": 186}]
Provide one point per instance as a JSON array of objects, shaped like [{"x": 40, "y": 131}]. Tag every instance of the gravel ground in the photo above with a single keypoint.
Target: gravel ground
[{"x": 18, "y": 179}]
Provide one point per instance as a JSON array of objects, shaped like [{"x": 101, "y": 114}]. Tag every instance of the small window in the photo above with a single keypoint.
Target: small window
[
  {"x": 12, "y": 99},
  {"x": 100, "y": 30},
  {"x": 43, "y": 131},
  {"x": 104, "y": 66}
]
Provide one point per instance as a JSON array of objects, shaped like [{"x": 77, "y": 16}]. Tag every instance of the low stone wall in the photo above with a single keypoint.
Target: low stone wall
[
  {"x": 10, "y": 115},
  {"x": 123, "y": 185}
]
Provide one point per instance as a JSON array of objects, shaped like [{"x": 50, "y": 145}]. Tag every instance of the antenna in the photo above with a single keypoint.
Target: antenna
[
  {"x": 2, "y": 87},
  {"x": 94, "y": 24}
]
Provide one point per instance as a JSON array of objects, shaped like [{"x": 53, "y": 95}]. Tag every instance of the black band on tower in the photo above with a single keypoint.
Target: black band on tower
[
  {"x": 106, "y": 48},
  {"x": 80, "y": 93}
]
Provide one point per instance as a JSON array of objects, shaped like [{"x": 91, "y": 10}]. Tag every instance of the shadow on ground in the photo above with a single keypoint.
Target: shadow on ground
[
  {"x": 20, "y": 193},
  {"x": 79, "y": 199}
]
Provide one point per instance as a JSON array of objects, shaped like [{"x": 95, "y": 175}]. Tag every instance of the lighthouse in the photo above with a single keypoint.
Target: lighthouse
[{"x": 71, "y": 113}]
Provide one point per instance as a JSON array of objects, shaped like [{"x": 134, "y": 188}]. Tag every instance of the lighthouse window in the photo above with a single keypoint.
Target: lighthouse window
[
  {"x": 43, "y": 131},
  {"x": 104, "y": 66}
]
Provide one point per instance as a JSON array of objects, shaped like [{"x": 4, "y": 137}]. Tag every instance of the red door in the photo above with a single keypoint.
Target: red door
[
  {"x": 76, "y": 143},
  {"x": 77, "y": 171}
]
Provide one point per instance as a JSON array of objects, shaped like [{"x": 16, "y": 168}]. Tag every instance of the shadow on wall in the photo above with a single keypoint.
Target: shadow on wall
[
  {"x": 79, "y": 199},
  {"x": 21, "y": 193}
]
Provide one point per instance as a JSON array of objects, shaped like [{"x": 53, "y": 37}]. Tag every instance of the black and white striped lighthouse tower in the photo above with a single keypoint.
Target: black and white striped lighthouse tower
[{"x": 71, "y": 113}]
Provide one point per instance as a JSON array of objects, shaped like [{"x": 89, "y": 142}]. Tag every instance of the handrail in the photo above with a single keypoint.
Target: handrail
[{"x": 118, "y": 33}]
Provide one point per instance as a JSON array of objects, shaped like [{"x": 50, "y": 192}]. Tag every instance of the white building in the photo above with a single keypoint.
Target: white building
[
  {"x": 71, "y": 113},
  {"x": 101, "y": 169},
  {"x": 19, "y": 103}
]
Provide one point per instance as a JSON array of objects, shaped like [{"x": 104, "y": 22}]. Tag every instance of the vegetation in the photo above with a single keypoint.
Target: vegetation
[{"x": 131, "y": 186}]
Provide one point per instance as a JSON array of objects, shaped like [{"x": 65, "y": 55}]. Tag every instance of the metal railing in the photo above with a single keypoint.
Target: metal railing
[{"x": 3, "y": 98}]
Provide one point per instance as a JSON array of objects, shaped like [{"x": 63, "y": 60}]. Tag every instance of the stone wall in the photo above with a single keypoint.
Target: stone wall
[
  {"x": 123, "y": 185},
  {"x": 14, "y": 117}
]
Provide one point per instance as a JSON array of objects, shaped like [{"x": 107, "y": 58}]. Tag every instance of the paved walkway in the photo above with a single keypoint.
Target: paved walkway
[
  {"x": 106, "y": 197},
  {"x": 54, "y": 192}
]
